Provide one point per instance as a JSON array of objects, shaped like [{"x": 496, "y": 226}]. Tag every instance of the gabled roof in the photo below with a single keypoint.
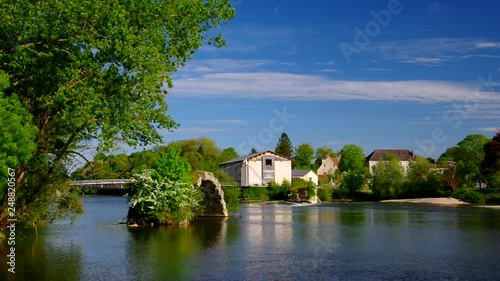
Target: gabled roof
[
  {"x": 250, "y": 156},
  {"x": 300, "y": 173},
  {"x": 334, "y": 159},
  {"x": 402, "y": 154}
]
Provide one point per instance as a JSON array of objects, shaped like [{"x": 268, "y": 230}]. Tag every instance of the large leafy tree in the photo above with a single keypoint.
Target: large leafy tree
[
  {"x": 491, "y": 162},
  {"x": 388, "y": 178},
  {"x": 201, "y": 153},
  {"x": 469, "y": 156},
  {"x": 352, "y": 164},
  {"x": 304, "y": 154},
  {"x": 17, "y": 134},
  {"x": 95, "y": 71},
  {"x": 352, "y": 159},
  {"x": 227, "y": 154},
  {"x": 284, "y": 146}
]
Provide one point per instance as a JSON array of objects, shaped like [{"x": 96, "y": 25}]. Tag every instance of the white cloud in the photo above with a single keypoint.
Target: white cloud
[
  {"x": 481, "y": 45},
  {"x": 432, "y": 51},
  {"x": 427, "y": 61},
  {"x": 276, "y": 85},
  {"x": 329, "y": 70},
  {"x": 378, "y": 69},
  {"x": 224, "y": 65},
  {"x": 490, "y": 129}
]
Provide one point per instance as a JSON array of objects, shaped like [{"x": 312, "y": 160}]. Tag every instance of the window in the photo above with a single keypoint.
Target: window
[{"x": 269, "y": 162}]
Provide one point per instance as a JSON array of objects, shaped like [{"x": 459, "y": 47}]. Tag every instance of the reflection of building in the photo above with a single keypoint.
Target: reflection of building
[
  {"x": 306, "y": 175},
  {"x": 259, "y": 168},
  {"x": 404, "y": 156}
]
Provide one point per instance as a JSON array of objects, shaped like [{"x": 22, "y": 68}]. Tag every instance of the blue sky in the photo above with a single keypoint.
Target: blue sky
[{"x": 418, "y": 75}]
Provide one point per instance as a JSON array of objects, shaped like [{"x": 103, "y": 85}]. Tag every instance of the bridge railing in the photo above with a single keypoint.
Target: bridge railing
[{"x": 101, "y": 184}]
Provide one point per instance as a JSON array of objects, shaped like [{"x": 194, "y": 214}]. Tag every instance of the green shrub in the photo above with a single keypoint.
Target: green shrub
[
  {"x": 469, "y": 195},
  {"x": 256, "y": 193},
  {"x": 161, "y": 200},
  {"x": 325, "y": 193},
  {"x": 493, "y": 198},
  {"x": 339, "y": 193},
  {"x": 232, "y": 198}
]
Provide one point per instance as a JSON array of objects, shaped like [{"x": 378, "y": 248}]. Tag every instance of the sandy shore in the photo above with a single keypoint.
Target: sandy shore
[{"x": 437, "y": 201}]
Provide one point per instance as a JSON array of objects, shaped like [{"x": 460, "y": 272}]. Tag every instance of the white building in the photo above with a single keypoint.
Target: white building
[
  {"x": 306, "y": 175},
  {"x": 259, "y": 169},
  {"x": 405, "y": 157},
  {"x": 329, "y": 165}
]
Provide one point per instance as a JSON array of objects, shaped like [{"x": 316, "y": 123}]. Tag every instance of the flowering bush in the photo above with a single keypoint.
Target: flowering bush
[{"x": 160, "y": 200}]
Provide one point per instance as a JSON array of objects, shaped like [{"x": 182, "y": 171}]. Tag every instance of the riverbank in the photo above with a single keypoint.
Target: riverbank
[{"x": 437, "y": 201}]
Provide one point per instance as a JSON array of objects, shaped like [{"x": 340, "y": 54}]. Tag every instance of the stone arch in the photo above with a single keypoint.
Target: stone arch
[{"x": 215, "y": 205}]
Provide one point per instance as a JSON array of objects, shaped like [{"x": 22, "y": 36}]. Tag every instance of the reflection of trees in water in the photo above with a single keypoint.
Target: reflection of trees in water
[
  {"x": 162, "y": 252},
  {"x": 48, "y": 256}
]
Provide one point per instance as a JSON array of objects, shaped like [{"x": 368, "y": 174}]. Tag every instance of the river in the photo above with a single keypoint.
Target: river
[{"x": 338, "y": 241}]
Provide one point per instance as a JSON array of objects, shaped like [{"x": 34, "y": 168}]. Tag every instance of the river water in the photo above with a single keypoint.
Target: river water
[{"x": 338, "y": 241}]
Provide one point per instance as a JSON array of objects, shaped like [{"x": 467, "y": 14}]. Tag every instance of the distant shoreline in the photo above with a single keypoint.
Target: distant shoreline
[{"x": 436, "y": 201}]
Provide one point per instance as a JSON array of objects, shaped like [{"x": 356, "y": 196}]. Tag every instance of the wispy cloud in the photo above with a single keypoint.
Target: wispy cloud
[
  {"x": 227, "y": 121},
  {"x": 490, "y": 129},
  {"x": 377, "y": 69},
  {"x": 329, "y": 70},
  {"x": 225, "y": 65},
  {"x": 426, "y": 61},
  {"x": 276, "y": 85},
  {"x": 433, "y": 51}
]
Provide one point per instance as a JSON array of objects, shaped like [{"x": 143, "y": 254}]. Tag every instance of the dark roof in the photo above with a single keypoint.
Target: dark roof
[
  {"x": 402, "y": 154},
  {"x": 300, "y": 173},
  {"x": 244, "y": 157}
]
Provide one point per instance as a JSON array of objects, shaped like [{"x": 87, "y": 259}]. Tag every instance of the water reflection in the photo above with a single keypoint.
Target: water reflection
[{"x": 363, "y": 241}]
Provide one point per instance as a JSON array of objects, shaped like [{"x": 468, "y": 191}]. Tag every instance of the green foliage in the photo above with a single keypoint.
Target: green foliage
[
  {"x": 227, "y": 154},
  {"x": 469, "y": 157},
  {"x": 160, "y": 200},
  {"x": 469, "y": 195},
  {"x": 352, "y": 182},
  {"x": 256, "y": 193},
  {"x": 325, "y": 193},
  {"x": 284, "y": 146},
  {"x": 85, "y": 70},
  {"x": 279, "y": 192},
  {"x": 352, "y": 159},
  {"x": 388, "y": 178},
  {"x": 303, "y": 156},
  {"x": 421, "y": 182},
  {"x": 318, "y": 156},
  {"x": 232, "y": 198},
  {"x": 339, "y": 193},
  {"x": 490, "y": 166},
  {"x": 171, "y": 166},
  {"x": 201, "y": 153},
  {"x": 17, "y": 135}
]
